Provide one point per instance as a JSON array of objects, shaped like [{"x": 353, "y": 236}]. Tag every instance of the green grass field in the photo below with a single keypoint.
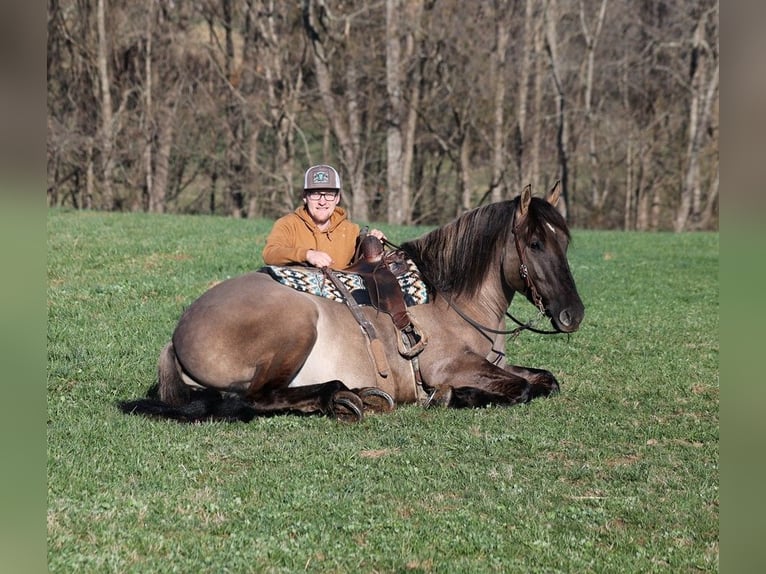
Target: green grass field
[{"x": 618, "y": 473}]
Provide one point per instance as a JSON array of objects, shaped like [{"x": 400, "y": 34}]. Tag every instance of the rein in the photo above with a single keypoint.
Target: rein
[{"x": 483, "y": 329}]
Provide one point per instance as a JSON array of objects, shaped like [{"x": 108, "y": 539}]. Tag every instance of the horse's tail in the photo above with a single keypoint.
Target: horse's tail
[
  {"x": 206, "y": 405},
  {"x": 171, "y": 398},
  {"x": 171, "y": 387}
]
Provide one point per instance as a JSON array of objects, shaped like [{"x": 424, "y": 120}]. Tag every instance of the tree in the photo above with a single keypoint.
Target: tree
[
  {"x": 562, "y": 121},
  {"x": 427, "y": 107},
  {"x": 281, "y": 72},
  {"x": 403, "y": 91},
  {"x": 336, "y": 45},
  {"x": 703, "y": 87},
  {"x": 107, "y": 119}
]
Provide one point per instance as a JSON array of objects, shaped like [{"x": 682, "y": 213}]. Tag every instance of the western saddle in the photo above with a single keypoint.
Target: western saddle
[{"x": 379, "y": 270}]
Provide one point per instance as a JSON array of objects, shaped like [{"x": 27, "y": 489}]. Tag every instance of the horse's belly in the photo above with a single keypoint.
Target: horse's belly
[
  {"x": 338, "y": 353},
  {"x": 341, "y": 352}
]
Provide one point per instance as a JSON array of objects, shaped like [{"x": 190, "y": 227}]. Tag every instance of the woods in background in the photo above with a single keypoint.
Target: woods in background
[{"x": 427, "y": 107}]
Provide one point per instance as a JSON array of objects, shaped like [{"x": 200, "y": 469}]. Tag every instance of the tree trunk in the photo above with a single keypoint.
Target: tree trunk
[
  {"x": 90, "y": 177},
  {"x": 409, "y": 146},
  {"x": 345, "y": 129},
  {"x": 706, "y": 221},
  {"x": 236, "y": 156},
  {"x": 401, "y": 112},
  {"x": 521, "y": 139},
  {"x": 498, "y": 187},
  {"x": 165, "y": 135},
  {"x": 149, "y": 112},
  {"x": 283, "y": 89},
  {"x": 562, "y": 135},
  {"x": 464, "y": 177},
  {"x": 532, "y": 167},
  {"x": 598, "y": 198},
  {"x": 107, "y": 159},
  {"x": 628, "y": 214},
  {"x": 394, "y": 113},
  {"x": 703, "y": 90}
]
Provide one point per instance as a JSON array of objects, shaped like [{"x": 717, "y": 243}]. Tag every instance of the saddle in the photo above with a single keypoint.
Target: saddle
[{"x": 379, "y": 271}]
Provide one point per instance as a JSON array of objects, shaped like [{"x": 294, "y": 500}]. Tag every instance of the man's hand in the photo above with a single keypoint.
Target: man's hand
[
  {"x": 318, "y": 258},
  {"x": 377, "y": 233}
]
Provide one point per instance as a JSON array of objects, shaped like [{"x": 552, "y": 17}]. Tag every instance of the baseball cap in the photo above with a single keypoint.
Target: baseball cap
[{"x": 321, "y": 177}]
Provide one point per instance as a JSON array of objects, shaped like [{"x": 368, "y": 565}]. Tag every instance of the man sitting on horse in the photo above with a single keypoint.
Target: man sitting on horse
[{"x": 318, "y": 232}]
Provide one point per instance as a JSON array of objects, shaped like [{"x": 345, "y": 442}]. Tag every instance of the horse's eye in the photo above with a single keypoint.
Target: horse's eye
[{"x": 535, "y": 245}]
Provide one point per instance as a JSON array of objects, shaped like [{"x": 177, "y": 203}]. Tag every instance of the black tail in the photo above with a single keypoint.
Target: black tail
[{"x": 204, "y": 406}]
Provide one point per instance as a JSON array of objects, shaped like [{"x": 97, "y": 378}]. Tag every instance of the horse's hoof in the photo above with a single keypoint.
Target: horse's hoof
[
  {"x": 544, "y": 385},
  {"x": 376, "y": 400},
  {"x": 439, "y": 397},
  {"x": 347, "y": 407}
]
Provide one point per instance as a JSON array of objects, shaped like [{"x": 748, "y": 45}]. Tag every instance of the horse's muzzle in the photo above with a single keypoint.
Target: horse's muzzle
[{"x": 568, "y": 320}]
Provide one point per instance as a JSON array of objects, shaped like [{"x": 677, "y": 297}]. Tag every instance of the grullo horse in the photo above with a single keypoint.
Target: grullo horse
[{"x": 251, "y": 346}]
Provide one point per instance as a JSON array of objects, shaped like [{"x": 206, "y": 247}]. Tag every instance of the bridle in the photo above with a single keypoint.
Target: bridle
[{"x": 537, "y": 300}]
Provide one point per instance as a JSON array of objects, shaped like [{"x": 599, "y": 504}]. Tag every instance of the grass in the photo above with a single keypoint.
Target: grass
[{"x": 618, "y": 473}]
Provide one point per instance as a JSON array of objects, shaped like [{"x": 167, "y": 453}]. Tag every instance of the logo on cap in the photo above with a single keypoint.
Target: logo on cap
[{"x": 320, "y": 177}]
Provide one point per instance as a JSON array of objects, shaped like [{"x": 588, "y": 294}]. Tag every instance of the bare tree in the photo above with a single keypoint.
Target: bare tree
[
  {"x": 562, "y": 128},
  {"x": 498, "y": 187},
  {"x": 402, "y": 23},
  {"x": 159, "y": 120},
  {"x": 335, "y": 57},
  {"x": 703, "y": 87},
  {"x": 282, "y": 77},
  {"x": 529, "y": 48},
  {"x": 155, "y": 203},
  {"x": 591, "y": 35},
  {"x": 427, "y": 107},
  {"x": 107, "y": 121}
]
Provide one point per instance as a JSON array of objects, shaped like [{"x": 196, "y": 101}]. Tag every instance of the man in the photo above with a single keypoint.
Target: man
[{"x": 318, "y": 232}]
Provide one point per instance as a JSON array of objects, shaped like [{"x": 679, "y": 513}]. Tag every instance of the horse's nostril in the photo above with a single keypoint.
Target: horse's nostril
[{"x": 565, "y": 318}]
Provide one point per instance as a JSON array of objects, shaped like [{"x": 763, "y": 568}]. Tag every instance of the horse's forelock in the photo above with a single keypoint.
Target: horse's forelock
[
  {"x": 455, "y": 257},
  {"x": 541, "y": 214}
]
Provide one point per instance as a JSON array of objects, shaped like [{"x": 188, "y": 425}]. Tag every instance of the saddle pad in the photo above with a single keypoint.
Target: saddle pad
[{"x": 312, "y": 280}]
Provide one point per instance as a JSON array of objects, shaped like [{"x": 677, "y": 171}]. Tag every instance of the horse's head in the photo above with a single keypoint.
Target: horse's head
[{"x": 540, "y": 241}]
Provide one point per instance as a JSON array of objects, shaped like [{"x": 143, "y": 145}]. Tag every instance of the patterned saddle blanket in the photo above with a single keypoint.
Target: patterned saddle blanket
[{"x": 312, "y": 280}]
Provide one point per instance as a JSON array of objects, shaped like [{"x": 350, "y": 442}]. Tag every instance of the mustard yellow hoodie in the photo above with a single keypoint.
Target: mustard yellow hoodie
[{"x": 295, "y": 233}]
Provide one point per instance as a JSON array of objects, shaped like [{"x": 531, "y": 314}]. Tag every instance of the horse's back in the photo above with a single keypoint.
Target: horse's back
[{"x": 245, "y": 299}]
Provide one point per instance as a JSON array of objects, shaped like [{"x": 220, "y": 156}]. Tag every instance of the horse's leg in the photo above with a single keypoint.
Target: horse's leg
[
  {"x": 330, "y": 398},
  {"x": 494, "y": 385},
  {"x": 536, "y": 377}
]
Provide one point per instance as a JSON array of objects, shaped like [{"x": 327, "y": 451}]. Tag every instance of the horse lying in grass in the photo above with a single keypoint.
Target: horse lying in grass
[{"x": 251, "y": 346}]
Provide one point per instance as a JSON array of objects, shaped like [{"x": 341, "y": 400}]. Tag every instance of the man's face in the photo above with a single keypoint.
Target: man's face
[{"x": 321, "y": 203}]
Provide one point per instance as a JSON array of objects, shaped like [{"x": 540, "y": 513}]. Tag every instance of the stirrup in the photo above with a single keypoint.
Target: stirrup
[{"x": 414, "y": 330}]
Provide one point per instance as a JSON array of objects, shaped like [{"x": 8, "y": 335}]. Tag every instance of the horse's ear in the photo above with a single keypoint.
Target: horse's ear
[
  {"x": 554, "y": 194},
  {"x": 524, "y": 201}
]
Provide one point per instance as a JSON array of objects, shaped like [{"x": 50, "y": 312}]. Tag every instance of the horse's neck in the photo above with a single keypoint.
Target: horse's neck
[{"x": 489, "y": 304}]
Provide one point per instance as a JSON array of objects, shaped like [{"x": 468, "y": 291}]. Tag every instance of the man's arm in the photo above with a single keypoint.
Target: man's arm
[{"x": 281, "y": 248}]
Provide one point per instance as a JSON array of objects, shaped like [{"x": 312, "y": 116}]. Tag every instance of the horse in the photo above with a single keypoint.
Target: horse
[{"x": 250, "y": 346}]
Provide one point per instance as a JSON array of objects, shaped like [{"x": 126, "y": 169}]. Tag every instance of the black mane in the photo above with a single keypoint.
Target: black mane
[{"x": 454, "y": 258}]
